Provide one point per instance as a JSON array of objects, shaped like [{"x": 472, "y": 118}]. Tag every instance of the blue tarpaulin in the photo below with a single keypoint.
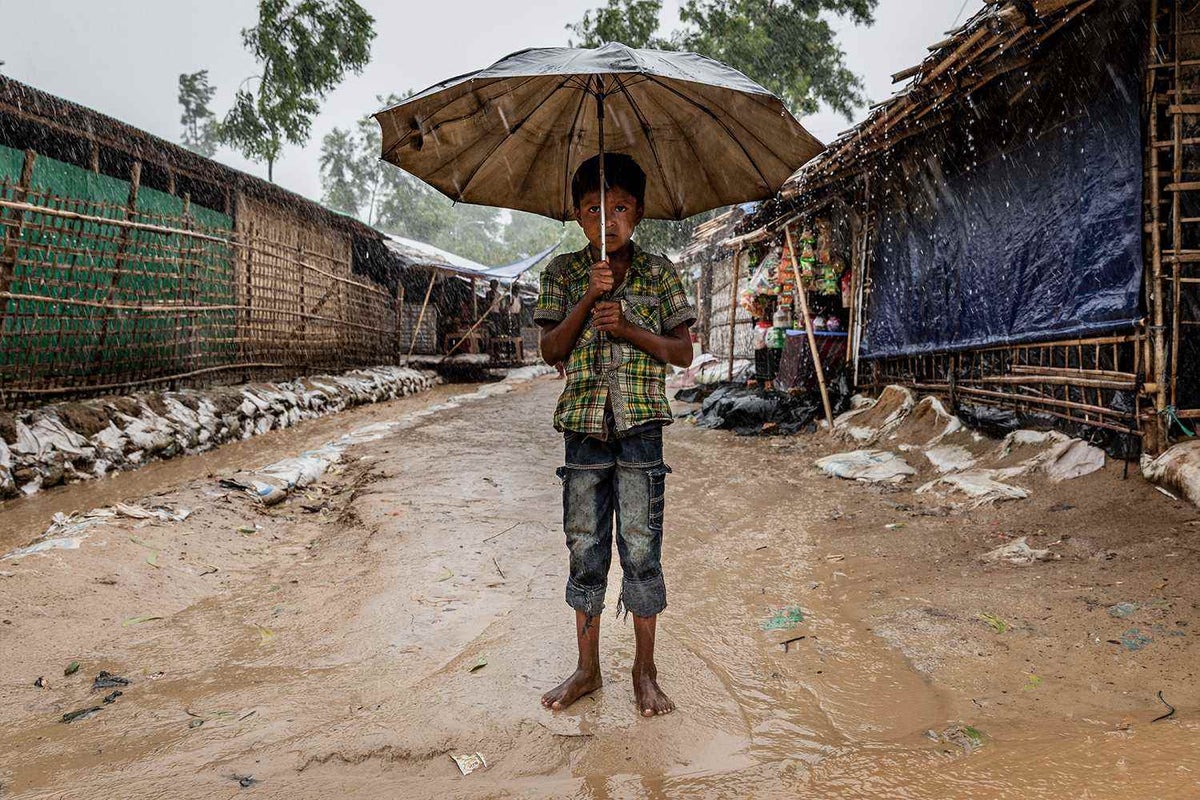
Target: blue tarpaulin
[{"x": 1024, "y": 221}]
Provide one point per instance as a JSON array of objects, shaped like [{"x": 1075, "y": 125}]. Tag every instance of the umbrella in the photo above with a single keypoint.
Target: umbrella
[{"x": 513, "y": 134}]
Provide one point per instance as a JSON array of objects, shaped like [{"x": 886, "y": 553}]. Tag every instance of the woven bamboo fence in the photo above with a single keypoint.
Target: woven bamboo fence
[
  {"x": 107, "y": 286},
  {"x": 717, "y": 295}
]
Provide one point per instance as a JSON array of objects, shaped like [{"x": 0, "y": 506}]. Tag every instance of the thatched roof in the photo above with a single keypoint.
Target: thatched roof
[
  {"x": 710, "y": 234},
  {"x": 1004, "y": 36},
  {"x": 66, "y": 131}
]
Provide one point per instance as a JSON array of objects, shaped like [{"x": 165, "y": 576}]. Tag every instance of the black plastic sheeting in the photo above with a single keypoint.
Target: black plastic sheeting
[
  {"x": 762, "y": 412},
  {"x": 999, "y": 422},
  {"x": 1020, "y": 221}
]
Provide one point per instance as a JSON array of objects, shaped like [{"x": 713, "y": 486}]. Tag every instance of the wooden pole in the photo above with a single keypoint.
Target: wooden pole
[
  {"x": 399, "y": 317},
  {"x": 859, "y": 297},
  {"x": 479, "y": 321},
  {"x": 412, "y": 342},
  {"x": 1157, "y": 365},
  {"x": 1176, "y": 207},
  {"x": 733, "y": 293},
  {"x": 802, "y": 300}
]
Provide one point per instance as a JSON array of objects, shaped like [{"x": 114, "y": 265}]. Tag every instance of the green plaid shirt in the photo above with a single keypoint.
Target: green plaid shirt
[{"x": 632, "y": 382}]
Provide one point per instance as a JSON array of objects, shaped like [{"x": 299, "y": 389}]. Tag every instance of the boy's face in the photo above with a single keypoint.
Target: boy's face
[{"x": 623, "y": 213}]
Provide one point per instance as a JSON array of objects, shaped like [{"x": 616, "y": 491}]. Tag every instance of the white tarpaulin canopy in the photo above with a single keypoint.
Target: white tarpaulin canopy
[{"x": 420, "y": 254}]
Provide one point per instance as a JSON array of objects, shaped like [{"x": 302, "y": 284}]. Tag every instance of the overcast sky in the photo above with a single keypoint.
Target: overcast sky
[{"x": 124, "y": 57}]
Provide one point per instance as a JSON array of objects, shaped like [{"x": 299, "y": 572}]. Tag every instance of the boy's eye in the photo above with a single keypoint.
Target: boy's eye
[
  {"x": 621, "y": 209},
  {"x": 594, "y": 210}
]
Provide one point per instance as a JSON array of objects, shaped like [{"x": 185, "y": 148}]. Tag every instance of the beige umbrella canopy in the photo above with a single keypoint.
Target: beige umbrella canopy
[{"x": 512, "y": 135}]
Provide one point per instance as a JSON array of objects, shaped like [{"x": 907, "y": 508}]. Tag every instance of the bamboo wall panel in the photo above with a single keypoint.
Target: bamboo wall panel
[
  {"x": 106, "y": 286},
  {"x": 717, "y": 298},
  {"x": 426, "y": 336}
]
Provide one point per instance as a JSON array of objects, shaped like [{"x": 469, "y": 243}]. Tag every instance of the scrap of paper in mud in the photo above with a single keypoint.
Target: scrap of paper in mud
[{"x": 470, "y": 762}]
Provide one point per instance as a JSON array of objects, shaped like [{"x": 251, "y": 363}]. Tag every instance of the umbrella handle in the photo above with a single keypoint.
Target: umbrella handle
[
  {"x": 603, "y": 208},
  {"x": 601, "y": 339}
]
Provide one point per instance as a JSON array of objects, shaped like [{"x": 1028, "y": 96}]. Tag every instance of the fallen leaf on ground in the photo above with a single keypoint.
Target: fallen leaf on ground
[
  {"x": 138, "y": 620},
  {"x": 998, "y": 624},
  {"x": 478, "y": 665}
]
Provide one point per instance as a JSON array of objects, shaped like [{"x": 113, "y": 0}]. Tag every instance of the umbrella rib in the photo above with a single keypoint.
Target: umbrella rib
[
  {"x": 728, "y": 132},
  {"x": 583, "y": 98},
  {"x": 637, "y": 112},
  {"x": 506, "y": 138},
  {"x": 442, "y": 123}
]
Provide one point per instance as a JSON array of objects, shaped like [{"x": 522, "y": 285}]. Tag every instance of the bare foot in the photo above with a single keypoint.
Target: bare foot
[
  {"x": 581, "y": 682},
  {"x": 650, "y": 699}
]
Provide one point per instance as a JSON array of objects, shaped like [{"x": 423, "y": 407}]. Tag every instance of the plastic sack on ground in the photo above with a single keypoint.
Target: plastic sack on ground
[
  {"x": 867, "y": 466},
  {"x": 1177, "y": 470},
  {"x": 979, "y": 485}
]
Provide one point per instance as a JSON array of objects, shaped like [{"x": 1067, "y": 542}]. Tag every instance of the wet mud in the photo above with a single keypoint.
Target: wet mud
[{"x": 337, "y": 652}]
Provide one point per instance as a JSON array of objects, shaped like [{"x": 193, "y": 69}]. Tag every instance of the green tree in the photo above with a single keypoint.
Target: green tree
[
  {"x": 354, "y": 180},
  {"x": 200, "y": 132},
  {"x": 631, "y": 22},
  {"x": 342, "y": 181},
  {"x": 788, "y": 46},
  {"x": 304, "y": 49}
]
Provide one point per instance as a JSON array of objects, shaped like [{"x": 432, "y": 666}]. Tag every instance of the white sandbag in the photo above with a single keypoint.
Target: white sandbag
[
  {"x": 894, "y": 404},
  {"x": 1178, "y": 470},
  {"x": 1073, "y": 459},
  {"x": 950, "y": 458},
  {"x": 867, "y": 466},
  {"x": 979, "y": 485}
]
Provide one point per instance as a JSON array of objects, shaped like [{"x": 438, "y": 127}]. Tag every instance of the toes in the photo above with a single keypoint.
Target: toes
[{"x": 647, "y": 712}]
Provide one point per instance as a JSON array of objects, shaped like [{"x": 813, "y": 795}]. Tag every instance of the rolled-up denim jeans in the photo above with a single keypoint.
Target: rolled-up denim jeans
[{"x": 618, "y": 481}]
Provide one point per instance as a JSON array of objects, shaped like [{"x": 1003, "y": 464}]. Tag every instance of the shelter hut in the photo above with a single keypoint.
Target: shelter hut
[
  {"x": 451, "y": 304},
  {"x": 129, "y": 262},
  {"x": 1018, "y": 224}
]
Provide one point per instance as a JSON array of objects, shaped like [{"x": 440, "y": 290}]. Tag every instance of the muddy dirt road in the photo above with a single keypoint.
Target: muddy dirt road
[{"x": 333, "y": 650}]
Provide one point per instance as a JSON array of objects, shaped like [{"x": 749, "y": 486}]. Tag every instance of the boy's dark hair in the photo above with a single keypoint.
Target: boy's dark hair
[{"x": 620, "y": 170}]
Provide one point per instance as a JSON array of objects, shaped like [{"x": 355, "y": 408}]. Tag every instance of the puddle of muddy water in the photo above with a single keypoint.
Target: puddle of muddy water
[{"x": 378, "y": 708}]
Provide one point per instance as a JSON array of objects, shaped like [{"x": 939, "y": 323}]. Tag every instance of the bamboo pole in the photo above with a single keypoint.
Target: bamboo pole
[
  {"x": 1176, "y": 211},
  {"x": 399, "y": 332},
  {"x": 733, "y": 292},
  {"x": 474, "y": 307},
  {"x": 802, "y": 300},
  {"x": 1158, "y": 365},
  {"x": 108, "y": 387},
  {"x": 479, "y": 321},
  {"x": 412, "y": 342}
]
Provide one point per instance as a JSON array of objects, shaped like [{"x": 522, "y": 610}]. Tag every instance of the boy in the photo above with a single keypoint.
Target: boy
[{"x": 616, "y": 324}]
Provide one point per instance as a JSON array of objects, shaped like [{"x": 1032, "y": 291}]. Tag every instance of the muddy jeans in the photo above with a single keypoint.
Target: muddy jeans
[{"x": 623, "y": 478}]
